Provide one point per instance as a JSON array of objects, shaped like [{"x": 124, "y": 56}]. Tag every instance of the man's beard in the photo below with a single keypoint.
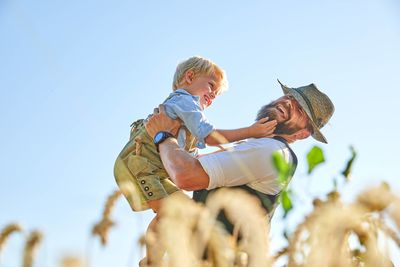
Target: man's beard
[{"x": 282, "y": 127}]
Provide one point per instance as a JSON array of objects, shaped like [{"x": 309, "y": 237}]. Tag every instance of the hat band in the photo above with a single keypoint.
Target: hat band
[{"x": 308, "y": 104}]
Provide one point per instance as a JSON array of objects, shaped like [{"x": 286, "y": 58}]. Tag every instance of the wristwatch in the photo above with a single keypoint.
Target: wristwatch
[{"x": 161, "y": 137}]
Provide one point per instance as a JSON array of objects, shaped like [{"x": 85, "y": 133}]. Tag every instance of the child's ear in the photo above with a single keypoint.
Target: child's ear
[{"x": 189, "y": 76}]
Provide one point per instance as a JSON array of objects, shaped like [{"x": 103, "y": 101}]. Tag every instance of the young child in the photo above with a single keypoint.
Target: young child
[{"x": 197, "y": 82}]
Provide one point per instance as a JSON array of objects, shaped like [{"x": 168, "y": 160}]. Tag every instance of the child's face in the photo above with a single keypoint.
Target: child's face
[{"x": 205, "y": 86}]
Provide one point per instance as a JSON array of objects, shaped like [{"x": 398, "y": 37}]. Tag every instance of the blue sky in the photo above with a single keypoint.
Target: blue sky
[{"x": 74, "y": 75}]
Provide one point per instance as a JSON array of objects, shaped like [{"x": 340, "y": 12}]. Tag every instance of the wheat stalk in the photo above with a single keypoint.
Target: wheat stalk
[
  {"x": 181, "y": 221},
  {"x": 31, "y": 245},
  {"x": 387, "y": 230},
  {"x": 246, "y": 213},
  {"x": 395, "y": 212},
  {"x": 7, "y": 231},
  {"x": 103, "y": 226},
  {"x": 198, "y": 230},
  {"x": 187, "y": 229},
  {"x": 323, "y": 237},
  {"x": 377, "y": 198},
  {"x": 298, "y": 241}
]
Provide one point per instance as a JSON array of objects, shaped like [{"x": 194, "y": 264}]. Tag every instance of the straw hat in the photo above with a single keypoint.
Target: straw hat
[{"x": 316, "y": 104}]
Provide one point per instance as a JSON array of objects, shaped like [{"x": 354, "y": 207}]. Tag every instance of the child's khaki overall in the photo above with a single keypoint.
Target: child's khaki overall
[{"x": 139, "y": 171}]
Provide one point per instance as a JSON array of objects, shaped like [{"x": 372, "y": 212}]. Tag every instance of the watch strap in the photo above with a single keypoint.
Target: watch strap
[{"x": 165, "y": 135}]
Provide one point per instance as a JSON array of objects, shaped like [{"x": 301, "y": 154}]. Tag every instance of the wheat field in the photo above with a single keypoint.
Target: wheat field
[{"x": 332, "y": 234}]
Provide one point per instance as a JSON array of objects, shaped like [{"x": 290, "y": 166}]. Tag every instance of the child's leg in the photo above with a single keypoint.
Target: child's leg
[
  {"x": 152, "y": 249},
  {"x": 155, "y": 205}
]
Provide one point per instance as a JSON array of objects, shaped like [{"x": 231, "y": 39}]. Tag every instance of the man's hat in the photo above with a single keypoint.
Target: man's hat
[{"x": 317, "y": 105}]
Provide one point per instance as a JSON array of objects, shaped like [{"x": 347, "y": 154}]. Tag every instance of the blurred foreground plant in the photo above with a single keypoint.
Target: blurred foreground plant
[
  {"x": 324, "y": 237},
  {"x": 31, "y": 246},
  {"x": 6, "y": 232},
  {"x": 103, "y": 226},
  {"x": 191, "y": 236},
  {"x": 333, "y": 234}
]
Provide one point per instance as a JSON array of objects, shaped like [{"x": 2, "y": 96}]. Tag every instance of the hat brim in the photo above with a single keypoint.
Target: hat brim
[{"x": 317, "y": 135}]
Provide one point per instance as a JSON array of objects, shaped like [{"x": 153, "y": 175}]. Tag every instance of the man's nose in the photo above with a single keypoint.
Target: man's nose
[{"x": 212, "y": 95}]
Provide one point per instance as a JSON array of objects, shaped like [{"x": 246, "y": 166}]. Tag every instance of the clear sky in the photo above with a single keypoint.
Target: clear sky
[{"x": 75, "y": 74}]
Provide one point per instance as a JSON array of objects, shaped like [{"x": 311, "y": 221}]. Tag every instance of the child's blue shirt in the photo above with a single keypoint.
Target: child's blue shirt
[{"x": 183, "y": 105}]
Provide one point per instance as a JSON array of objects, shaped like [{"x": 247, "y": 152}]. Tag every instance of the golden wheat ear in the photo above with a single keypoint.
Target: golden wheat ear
[
  {"x": 102, "y": 228},
  {"x": 71, "y": 261},
  {"x": 188, "y": 231},
  {"x": 5, "y": 233},
  {"x": 31, "y": 246},
  {"x": 334, "y": 226},
  {"x": 250, "y": 223}
]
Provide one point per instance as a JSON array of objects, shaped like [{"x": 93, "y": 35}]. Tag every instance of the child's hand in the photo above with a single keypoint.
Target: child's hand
[{"x": 263, "y": 128}]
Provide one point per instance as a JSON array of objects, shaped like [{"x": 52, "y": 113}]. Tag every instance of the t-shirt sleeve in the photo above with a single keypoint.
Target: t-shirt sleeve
[
  {"x": 252, "y": 166},
  {"x": 185, "y": 108}
]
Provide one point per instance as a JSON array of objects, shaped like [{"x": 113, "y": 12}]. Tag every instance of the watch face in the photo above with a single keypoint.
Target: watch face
[{"x": 159, "y": 136}]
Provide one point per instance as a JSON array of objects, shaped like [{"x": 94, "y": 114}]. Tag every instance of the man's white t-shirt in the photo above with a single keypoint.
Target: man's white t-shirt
[{"x": 246, "y": 162}]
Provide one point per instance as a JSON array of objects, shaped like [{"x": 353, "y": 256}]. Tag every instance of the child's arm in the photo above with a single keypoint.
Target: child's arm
[
  {"x": 186, "y": 109},
  {"x": 261, "y": 128}
]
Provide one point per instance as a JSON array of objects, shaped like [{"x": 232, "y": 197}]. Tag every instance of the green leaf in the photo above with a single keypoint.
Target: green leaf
[
  {"x": 286, "y": 202},
  {"x": 284, "y": 170},
  {"x": 282, "y": 167},
  {"x": 280, "y": 164},
  {"x": 314, "y": 158},
  {"x": 347, "y": 170}
]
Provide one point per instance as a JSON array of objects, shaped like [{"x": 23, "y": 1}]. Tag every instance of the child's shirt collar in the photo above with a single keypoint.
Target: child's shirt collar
[{"x": 184, "y": 92}]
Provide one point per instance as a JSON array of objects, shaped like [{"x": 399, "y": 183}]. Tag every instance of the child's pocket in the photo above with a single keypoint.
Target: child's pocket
[{"x": 140, "y": 165}]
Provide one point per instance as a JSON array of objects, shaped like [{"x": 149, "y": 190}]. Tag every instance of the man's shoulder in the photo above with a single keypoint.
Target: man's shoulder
[
  {"x": 261, "y": 145},
  {"x": 262, "y": 142}
]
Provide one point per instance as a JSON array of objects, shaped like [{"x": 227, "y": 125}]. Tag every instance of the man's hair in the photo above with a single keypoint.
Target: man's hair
[
  {"x": 263, "y": 112},
  {"x": 200, "y": 66}
]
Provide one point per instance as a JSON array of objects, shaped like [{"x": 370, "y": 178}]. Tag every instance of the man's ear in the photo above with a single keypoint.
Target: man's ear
[{"x": 189, "y": 76}]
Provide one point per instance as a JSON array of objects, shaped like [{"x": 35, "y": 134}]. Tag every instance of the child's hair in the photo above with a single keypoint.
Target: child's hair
[{"x": 200, "y": 66}]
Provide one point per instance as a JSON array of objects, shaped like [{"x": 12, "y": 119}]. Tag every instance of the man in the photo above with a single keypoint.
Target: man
[{"x": 301, "y": 112}]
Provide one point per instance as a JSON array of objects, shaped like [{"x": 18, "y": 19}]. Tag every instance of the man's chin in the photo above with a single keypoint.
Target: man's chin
[{"x": 283, "y": 129}]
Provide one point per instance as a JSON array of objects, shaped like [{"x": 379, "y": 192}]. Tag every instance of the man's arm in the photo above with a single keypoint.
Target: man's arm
[{"x": 184, "y": 170}]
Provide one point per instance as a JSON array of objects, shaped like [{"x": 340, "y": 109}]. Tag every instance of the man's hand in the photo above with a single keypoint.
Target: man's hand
[
  {"x": 160, "y": 121},
  {"x": 263, "y": 128}
]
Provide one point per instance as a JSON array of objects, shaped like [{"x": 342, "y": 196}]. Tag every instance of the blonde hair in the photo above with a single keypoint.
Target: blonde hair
[{"x": 200, "y": 66}]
